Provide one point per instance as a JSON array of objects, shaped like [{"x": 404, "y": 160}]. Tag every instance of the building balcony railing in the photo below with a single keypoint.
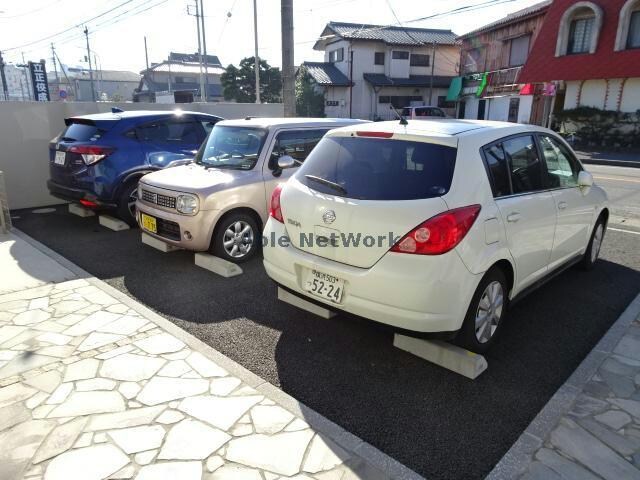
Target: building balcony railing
[{"x": 503, "y": 80}]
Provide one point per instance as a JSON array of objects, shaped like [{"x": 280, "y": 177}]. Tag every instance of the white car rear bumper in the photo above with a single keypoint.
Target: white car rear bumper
[{"x": 413, "y": 292}]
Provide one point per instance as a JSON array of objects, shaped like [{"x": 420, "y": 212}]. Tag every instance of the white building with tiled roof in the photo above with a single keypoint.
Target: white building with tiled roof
[
  {"x": 367, "y": 68},
  {"x": 180, "y": 75}
]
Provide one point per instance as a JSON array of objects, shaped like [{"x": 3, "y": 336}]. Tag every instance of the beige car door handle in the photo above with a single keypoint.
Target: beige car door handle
[
  {"x": 562, "y": 205},
  {"x": 513, "y": 217}
]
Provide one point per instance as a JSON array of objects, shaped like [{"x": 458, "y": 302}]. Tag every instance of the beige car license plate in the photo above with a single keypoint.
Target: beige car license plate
[
  {"x": 149, "y": 223},
  {"x": 324, "y": 285}
]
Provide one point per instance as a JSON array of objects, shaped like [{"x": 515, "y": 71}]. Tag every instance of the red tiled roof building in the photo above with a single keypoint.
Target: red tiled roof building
[{"x": 592, "y": 49}]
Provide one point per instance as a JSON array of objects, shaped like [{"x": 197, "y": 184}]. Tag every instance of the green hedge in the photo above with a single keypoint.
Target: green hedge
[{"x": 592, "y": 127}]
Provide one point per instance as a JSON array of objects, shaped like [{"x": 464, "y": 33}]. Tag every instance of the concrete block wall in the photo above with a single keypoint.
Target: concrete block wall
[{"x": 27, "y": 127}]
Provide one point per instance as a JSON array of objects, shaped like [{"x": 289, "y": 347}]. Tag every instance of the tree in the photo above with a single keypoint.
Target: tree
[
  {"x": 309, "y": 102},
  {"x": 239, "y": 83}
]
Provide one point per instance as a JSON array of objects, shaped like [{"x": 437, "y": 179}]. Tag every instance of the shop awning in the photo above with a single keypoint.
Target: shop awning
[
  {"x": 454, "y": 89},
  {"x": 483, "y": 84}
]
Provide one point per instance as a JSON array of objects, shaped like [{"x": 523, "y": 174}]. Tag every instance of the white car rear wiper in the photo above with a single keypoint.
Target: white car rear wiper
[{"x": 323, "y": 181}]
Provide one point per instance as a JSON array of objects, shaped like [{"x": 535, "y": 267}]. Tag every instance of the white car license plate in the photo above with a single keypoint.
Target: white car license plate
[
  {"x": 324, "y": 286},
  {"x": 60, "y": 158}
]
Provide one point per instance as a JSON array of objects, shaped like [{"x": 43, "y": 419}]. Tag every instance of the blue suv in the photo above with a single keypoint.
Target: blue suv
[{"x": 98, "y": 159}]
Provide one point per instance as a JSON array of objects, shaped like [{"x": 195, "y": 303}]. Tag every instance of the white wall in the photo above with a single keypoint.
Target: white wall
[
  {"x": 631, "y": 95},
  {"x": 27, "y": 127},
  {"x": 571, "y": 95},
  {"x": 497, "y": 108},
  {"x": 614, "y": 92},
  {"x": 594, "y": 94},
  {"x": 526, "y": 103},
  {"x": 471, "y": 108},
  {"x": 340, "y": 95}
]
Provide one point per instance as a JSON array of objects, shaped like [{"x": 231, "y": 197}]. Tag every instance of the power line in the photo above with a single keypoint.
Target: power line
[
  {"x": 49, "y": 37},
  {"x": 455, "y": 11},
  {"x": 35, "y": 10},
  {"x": 226, "y": 21},
  {"x": 400, "y": 23},
  {"x": 113, "y": 20},
  {"x": 73, "y": 36}
]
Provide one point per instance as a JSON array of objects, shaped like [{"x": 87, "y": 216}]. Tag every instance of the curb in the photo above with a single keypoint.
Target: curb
[
  {"x": 611, "y": 163},
  {"x": 318, "y": 422},
  {"x": 516, "y": 461}
]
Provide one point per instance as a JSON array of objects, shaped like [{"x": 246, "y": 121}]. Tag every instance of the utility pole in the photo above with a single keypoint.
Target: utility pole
[
  {"x": 99, "y": 77},
  {"x": 71, "y": 85},
  {"x": 4, "y": 79},
  {"x": 146, "y": 53},
  {"x": 288, "y": 73},
  {"x": 93, "y": 90},
  {"x": 204, "y": 48},
  {"x": 256, "y": 56},
  {"x": 55, "y": 68},
  {"x": 433, "y": 66},
  {"x": 26, "y": 77},
  {"x": 197, "y": 15}
]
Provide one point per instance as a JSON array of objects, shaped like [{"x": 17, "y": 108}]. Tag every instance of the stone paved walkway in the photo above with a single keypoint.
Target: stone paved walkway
[
  {"x": 90, "y": 389},
  {"x": 599, "y": 437}
]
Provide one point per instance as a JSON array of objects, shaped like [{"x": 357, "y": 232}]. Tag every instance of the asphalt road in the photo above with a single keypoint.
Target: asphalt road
[
  {"x": 623, "y": 187},
  {"x": 437, "y": 423}
]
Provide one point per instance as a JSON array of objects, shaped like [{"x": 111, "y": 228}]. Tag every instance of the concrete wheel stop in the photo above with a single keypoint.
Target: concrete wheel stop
[
  {"x": 112, "y": 223},
  {"x": 217, "y": 265},
  {"x": 80, "y": 211},
  {"x": 296, "y": 301},
  {"x": 446, "y": 355},
  {"x": 157, "y": 244}
]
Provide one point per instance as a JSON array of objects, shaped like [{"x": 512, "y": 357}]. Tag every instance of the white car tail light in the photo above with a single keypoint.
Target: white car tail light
[
  {"x": 439, "y": 234},
  {"x": 275, "y": 209}
]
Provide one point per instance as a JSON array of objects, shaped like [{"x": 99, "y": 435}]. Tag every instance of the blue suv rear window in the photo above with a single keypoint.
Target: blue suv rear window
[
  {"x": 81, "y": 132},
  {"x": 378, "y": 169}
]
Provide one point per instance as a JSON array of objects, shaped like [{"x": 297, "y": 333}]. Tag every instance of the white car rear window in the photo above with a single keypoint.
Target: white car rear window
[{"x": 379, "y": 169}]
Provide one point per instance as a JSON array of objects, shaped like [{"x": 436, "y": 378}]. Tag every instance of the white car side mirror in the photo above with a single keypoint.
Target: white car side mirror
[
  {"x": 585, "y": 179},
  {"x": 286, "y": 161}
]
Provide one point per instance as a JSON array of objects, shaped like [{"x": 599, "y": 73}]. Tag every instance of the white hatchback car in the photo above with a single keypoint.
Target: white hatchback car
[{"x": 433, "y": 225}]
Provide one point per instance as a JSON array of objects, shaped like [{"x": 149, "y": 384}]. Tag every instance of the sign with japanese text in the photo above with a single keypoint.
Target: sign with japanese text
[{"x": 39, "y": 81}]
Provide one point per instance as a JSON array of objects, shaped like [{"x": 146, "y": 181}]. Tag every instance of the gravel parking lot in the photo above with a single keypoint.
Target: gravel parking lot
[{"x": 435, "y": 422}]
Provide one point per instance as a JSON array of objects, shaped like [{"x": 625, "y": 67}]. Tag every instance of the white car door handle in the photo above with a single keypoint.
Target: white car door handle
[
  {"x": 513, "y": 217},
  {"x": 562, "y": 205}
]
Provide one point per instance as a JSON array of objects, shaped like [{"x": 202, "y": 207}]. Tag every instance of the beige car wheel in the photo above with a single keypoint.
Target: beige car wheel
[{"x": 237, "y": 238}]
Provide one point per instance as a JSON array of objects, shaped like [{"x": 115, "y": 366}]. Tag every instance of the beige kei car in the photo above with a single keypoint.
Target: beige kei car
[{"x": 220, "y": 201}]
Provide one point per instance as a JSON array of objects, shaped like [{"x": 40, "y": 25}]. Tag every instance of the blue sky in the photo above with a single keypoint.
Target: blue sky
[{"x": 118, "y": 37}]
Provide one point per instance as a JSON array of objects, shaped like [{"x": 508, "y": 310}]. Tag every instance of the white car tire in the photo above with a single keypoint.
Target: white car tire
[
  {"x": 592, "y": 253},
  {"x": 486, "y": 313}
]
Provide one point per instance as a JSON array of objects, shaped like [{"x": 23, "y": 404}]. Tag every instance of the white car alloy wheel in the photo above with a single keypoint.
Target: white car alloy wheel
[
  {"x": 238, "y": 239},
  {"x": 596, "y": 243},
  {"x": 489, "y": 312}
]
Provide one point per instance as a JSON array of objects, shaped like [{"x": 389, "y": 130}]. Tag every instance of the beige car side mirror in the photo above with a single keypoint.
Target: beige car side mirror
[{"x": 286, "y": 161}]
